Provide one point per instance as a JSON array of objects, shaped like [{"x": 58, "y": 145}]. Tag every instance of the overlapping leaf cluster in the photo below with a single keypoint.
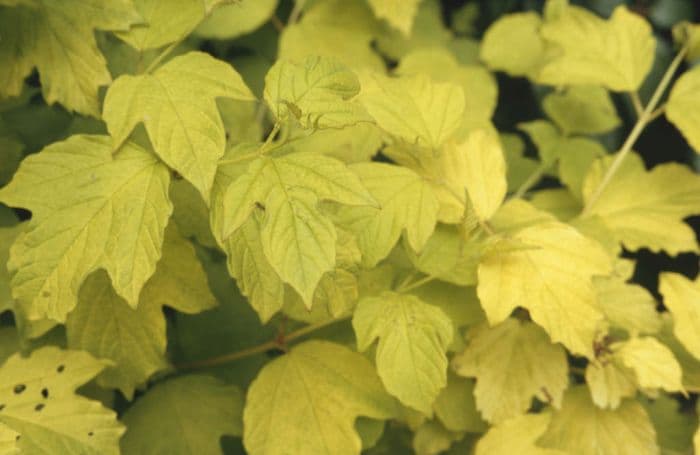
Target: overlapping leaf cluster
[{"x": 365, "y": 221}]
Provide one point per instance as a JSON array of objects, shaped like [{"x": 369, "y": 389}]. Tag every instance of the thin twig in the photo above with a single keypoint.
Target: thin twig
[
  {"x": 637, "y": 103},
  {"x": 642, "y": 122},
  {"x": 280, "y": 342}
]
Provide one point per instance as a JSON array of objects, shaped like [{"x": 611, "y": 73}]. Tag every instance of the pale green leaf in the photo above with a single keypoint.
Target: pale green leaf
[
  {"x": 560, "y": 203},
  {"x": 431, "y": 438},
  {"x": 682, "y": 298},
  {"x": 450, "y": 257},
  {"x": 307, "y": 401},
  {"x": 58, "y": 39},
  {"x": 352, "y": 144},
  {"x": 297, "y": 238},
  {"x": 135, "y": 339},
  {"x": 546, "y": 137},
  {"x": 184, "y": 416},
  {"x": 236, "y": 19},
  {"x": 90, "y": 210},
  {"x": 40, "y": 403},
  {"x": 443, "y": 169},
  {"x": 333, "y": 28},
  {"x": 553, "y": 281},
  {"x": 582, "y": 428},
  {"x": 479, "y": 85},
  {"x": 518, "y": 435},
  {"x": 190, "y": 212},
  {"x": 688, "y": 34},
  {"x": 513, "y": 363},
  {"x": 398, "y": 13},
  {"x": 519, "y": 167},
  {"x": 413, "y": 337},
  {"x": 455, "y": 406},
  {"x": 627, "y": 306},
  {"x": 255, "y": 276},
  {"x": 689, "y": 363},
  {"x": 645, "y": 209},
  {"x": 682, "y": 108},
  {"x": 674, "y": 424},
  {"x": 7, "y": 237},
  {"x": 616, "y": 53},
  {"x": 165, "y": 21},
  {"x": 429, "y": 30},
  {"x": 585, "y": 109},
  {"x": 513, "y": 44},
  {"x": 414, "y": 108},
  {"x": 177, "y": 106},
  {"x": 653, "y": 363},
  {"x": 407, "y": 204},
  {"x": 317, "y": 92},
  {"x": 575, "y": 158},
  {"x": 484, "y": 173},
  {"x": 609, "y": 382}
]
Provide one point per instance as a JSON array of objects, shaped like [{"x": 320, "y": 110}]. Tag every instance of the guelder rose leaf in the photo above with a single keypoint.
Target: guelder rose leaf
[
  {"x": 91, "y": 210},
  {"x": 518, "y": 435},
  {"x": 406, "y": 204},
  {"x": 183, "y": 416},
  {"x": 398, "y": 13},
  {"x": 513, "y": 44},
  {"x": 135, "y": 339},
  {"x": 645, "y": 209},
  {"x": 297, "y": 238},
  {"x": 58, "y": 38},
  {"x": 414, "y": 108},
  {"x": 513, "y": 363},
  {"x": 616, "y": 53},
  {"x": 307, "y": 401},
  {"x": 682, "y": 109},
  {"x": 582, "y": 428},
  {"x": 413, "y": 337},
  {"x": 166, "y": 21},
  {"x": 485, "y": 173},
  {"x": 318, "y": 92},
  {"x": 41, "y": 406},
  {"x": 551, "y": 278},
  {"x": 653, "y": 363},
  {"x": 177, "y": 105},
  {"x": 682, "y": 298}
]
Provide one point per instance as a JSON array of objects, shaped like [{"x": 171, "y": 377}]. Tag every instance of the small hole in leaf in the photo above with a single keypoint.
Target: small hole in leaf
[
  {"x": 39, "y": 407},
  {"x": 19, "y": 388},
  {"x": 17, "y": 438},
  {"x": 45, "y": 392},
  {"x": 90, "y": 433},
  {"x": 2, "y": 406},
  {"x": 61, "y": 368}
]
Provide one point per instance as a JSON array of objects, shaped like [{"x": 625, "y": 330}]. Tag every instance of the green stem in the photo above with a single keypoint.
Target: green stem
[
  {"x": 637, "y": 103},
  {"x": 416, "y": 284},
  {"x": 642, "y": 122},
  {"x": 531, "y": 181},
  {"x": 162, "y": 55},
  {"x": 278, "y": 343},
  {"x": 296, "y": 11}
]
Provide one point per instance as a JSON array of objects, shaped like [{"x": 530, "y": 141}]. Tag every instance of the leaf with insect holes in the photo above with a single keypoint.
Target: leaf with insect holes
[{"x": 39, "y": 403}]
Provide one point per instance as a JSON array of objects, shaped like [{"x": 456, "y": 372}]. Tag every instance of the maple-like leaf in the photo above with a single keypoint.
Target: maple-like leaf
[
  {"x": 91, "y": 210},
  {"x": 177, "y": 105}
]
